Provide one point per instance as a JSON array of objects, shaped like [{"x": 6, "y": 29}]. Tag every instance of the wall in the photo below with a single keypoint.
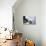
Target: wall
[
  {"x": 29, "y": 8},
  {"x": 43, "y": 22}
]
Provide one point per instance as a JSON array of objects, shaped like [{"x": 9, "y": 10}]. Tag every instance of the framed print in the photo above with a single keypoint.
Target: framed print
[{"x": 29, "y": 20}]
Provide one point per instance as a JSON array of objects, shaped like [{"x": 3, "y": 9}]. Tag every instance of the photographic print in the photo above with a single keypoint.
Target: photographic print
[{"x": 29, "y": 19}]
